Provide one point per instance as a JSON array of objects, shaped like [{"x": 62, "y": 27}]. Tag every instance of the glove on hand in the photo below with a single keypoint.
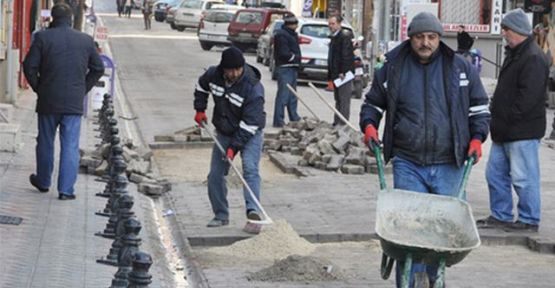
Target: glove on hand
[
  {"x": 370, "y": 133},
  {"x": 230, "y": 153},
  {"x": 475, "y": 148},
  {"x": 200, "y": 117}
]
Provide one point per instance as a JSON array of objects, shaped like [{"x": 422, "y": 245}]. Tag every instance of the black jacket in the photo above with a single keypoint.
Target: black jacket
[
  {"x": 287, "y": 52},
  {"x": 466, "y": 105},
  {"x": 238, "y": 109},
  {"x": 518, "y": 105},
  {"x": 340, "y": 54},
  {"x": 62, "y": 66}
]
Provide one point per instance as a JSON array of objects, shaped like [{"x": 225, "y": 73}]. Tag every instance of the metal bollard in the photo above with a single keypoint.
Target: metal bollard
[
  {"x": 119, "y": 182},
  {"x": 121, "y": 210},
  {"x": 139, "y": 276},
  {"x": 131, "y": 242},
  {"x": 116, "y": 166},
  {"x": 112, "y": 257}
]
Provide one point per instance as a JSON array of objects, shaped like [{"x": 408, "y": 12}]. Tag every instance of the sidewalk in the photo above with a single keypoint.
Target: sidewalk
[{"x": 55, "y": 246}]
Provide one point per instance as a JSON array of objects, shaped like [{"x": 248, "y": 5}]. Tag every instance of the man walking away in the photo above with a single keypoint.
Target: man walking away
[
  {"x": 62, "y": 66},
  {"x": 287, "y": 55},
  {"x": 437, "y": 116},
  {"x": 239, "y": 119},
  {"x": 518, "y": 123},
  {"x": 121, "y": 6},
  {"x": 340, "y": 61}
]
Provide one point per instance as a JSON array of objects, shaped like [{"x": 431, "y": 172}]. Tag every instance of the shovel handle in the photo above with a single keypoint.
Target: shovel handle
[
  {"x": 467, "y": 167},
  {"x": 377, "y": 150}
]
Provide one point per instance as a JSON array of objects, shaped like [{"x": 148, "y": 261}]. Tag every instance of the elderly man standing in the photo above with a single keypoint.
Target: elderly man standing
[
  {"x": 62, "y": 66},
  {"x": 518, "y": 123},
  {"x": 437, "y": 115}
]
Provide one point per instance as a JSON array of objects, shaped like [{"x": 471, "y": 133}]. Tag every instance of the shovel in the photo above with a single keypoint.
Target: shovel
[{"x": 254, "y": 223}]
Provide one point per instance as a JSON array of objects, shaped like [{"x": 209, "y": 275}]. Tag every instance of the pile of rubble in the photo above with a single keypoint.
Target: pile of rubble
[
  {"x": 139, "y": 168},
  {"x": 324, "y": 146}
]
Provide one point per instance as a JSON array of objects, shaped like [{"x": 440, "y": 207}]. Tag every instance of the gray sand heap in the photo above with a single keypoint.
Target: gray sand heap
[
  {"x": 275, "y": 242},
  {"x": 298, "y": 268}
]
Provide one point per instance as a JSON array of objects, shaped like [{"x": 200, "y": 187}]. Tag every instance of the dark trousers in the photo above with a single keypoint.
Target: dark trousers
[
  {"x": 284, "y": 97},
  {"x": 342, "y": 96}
]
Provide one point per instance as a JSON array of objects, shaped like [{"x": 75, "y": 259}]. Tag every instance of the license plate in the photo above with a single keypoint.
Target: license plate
[
  {"x": 244, "y": 34},
  {"x": 359, "y": 71},
  {"x": 320, "y": 62}
]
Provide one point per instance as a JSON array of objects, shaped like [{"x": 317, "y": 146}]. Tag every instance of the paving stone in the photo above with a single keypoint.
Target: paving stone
[
  {"x": 129, "y": 154},
  {"x": 335, "y": 162},
  {"x": 326, "y": 147},
  {"x": 352, "y": 169},
  {"x": 150, "y": 189},
  {"x": 356, "y": 156},
  {"x": 164, "y": 138},
  {"x": 341, "y": 143},
  {"x": 296, "y": 151}
]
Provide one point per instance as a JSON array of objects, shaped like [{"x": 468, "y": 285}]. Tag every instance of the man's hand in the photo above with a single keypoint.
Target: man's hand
[
  {"x": 475, "y": 148},
  {"x": 200, "y": 117},
  {"x": 230, "y": 153},
  {"x": 371, "y": 134}
]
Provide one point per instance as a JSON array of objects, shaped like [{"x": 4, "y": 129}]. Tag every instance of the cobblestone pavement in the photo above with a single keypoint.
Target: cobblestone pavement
[{"x": 55, "y": 246}]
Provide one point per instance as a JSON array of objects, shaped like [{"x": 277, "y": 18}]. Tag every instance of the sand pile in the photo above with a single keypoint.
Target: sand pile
[
  {"x": 275, "y": 242},
  {"x": 298, "y": 268}
]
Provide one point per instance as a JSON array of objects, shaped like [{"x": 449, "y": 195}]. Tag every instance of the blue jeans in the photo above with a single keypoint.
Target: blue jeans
[
  {"x": 70, "y": 129},
  {"x": 440, "y": 179},
  {"x": 284, "y": 97},
  {"x": 514, "y": 164},
  {"x": 219, "y": 167}
]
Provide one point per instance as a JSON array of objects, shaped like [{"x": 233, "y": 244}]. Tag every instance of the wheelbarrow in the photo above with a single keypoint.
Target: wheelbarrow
[{"x": 423, "y": 228}]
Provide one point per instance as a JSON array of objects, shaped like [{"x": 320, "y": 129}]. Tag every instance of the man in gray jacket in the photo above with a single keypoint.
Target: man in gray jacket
[
  {"x": 62, "y": 66},
  {"x": 437, "y": 115}
]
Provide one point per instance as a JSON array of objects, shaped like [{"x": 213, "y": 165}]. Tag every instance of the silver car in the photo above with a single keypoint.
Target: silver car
[
  {"x": 212, "y": 29},
  {"x": 191, "y": 11}
]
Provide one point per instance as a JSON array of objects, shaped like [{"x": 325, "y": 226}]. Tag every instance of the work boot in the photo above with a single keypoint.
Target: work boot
[
  {"x": 217, "y": 223},
  {"x": 33, "y": 180},
  {"x": 520, "y": 226},
  {"x": 491, "y": 222}
]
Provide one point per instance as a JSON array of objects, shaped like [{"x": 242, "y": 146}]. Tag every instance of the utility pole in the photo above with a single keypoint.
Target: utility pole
[{"x": 10, "y": 87}]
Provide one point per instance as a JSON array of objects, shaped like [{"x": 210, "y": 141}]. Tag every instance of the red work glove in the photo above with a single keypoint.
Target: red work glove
[
  {"x": 475, "y": 148},
  {"x": 370, "y": 133},
  {"x": 200, "y": 117},
  {"x": 230, "y": 153}
]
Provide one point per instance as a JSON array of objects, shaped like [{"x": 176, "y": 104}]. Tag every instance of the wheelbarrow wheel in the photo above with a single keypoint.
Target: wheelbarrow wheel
[{"x": 387, "y": 266}]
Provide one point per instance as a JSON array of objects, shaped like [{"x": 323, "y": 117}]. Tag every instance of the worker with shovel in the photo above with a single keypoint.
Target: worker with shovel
[
  {"x": 437, "y": 116},
  {"x": 239, "y": 119}
]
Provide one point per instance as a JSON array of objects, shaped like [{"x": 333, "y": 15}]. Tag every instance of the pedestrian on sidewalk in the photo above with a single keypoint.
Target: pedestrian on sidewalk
[
  {"x": 517, "y": 125},
  {"x": 464, "y": 41},
  {"x": 239, "y": 119},
  {"x": 128, "y": 8},
  {"x": 148, "y": 6},
  {"x": 287, "y": 55},
  {"x": 437, "y": 116},
  {"x": 61, "y": 67},
  {"x": 341, "y": 59},
  {"x": 121, "y": 6}
]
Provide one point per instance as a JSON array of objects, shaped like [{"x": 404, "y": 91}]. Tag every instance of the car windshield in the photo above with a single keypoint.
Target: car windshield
[
  {"x": 219, "y": 17},
  {"x": 315, "y": 30},
  {"x": 247, "y": 17},
  {"x": 195, "y": 4}
]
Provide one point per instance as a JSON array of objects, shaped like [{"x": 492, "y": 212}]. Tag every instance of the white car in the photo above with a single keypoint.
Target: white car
[
  {"x": 191, "y": 11},
  {"x": 212, "y": 29}
]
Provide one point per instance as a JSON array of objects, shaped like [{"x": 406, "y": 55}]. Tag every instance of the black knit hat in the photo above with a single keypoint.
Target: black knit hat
[
  {"x": 232, "y": 58},
  {"x": 290, "y": 19}
]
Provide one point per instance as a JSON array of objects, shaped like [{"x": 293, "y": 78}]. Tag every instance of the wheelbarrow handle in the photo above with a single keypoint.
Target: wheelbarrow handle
[
  {"x": 467, "y": 167},
  {"x": 377, "y": 150}
]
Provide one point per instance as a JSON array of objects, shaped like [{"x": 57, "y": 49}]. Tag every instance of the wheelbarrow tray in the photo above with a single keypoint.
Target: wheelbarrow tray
[{"x": 430, "y": 227}]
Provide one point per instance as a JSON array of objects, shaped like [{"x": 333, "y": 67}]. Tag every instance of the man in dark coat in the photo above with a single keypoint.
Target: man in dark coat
[
  {"x": 340, "y": 62},
  {"x": 287, "y": 55},
  {"x": 437, "y": 116},
  {"x": 517, "y": 125},
  {"x": 239, "y": 119},
  {"x": 62, "y": 66},
  {"x": 464, "y": 41}
]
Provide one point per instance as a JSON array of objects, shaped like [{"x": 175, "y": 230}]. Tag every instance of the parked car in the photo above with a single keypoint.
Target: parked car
[
  {"x": 265, "y": 42},
  {"x": 161, "y": 8},
  {"x": 170, "y": 16},
  {"x": 212, "y": 29},
  {"x": 248, "y": 24},
  {"x": 188, "y": 15},
  {"x": 314, "y": 42}
]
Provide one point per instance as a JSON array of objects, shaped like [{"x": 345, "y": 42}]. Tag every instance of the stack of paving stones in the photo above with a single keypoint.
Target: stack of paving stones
[
  {"x": 122, "y": 227},
  {"x": 325, "y": 147},
  {"x": 138, "y": 159}
]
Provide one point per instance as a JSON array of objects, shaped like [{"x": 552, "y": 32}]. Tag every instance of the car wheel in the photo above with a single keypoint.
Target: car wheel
[
  {"x": 205, "y": 45},
  {"x": 180, "y": 28},
  {"x": 357, "y": 91},
  {"x": 173, "y": 26},
  {"x": 159, "y": 18}
]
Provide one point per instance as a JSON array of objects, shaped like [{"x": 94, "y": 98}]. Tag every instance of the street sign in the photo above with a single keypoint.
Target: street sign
[
  {"x": 496, "y": 16},
  {"x": 101, "y": 34}
]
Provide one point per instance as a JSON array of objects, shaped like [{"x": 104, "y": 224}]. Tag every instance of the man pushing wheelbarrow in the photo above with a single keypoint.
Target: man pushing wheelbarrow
[{"x": 437, "y": 117}]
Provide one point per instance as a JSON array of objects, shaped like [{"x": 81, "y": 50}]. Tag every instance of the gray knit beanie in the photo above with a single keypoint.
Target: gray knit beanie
[
  {"x": 424, "y": 22},
  {"x": 517, "y": 21}
]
